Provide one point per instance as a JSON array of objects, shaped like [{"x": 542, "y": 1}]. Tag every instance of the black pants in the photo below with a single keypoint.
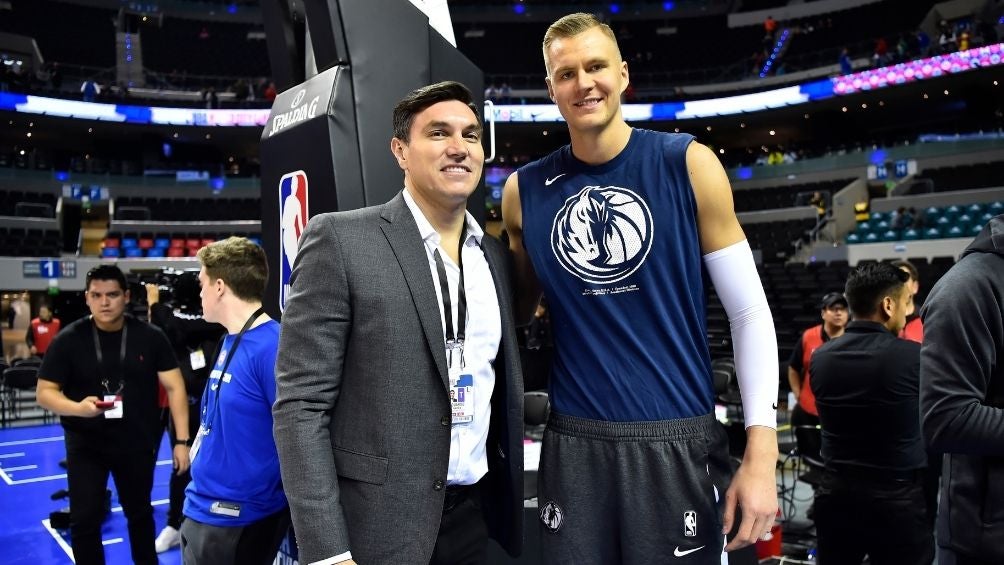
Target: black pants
[
  {"x": 881, "y": 517},
  {"x": 179, "y": 482},
  {"x": 87, "y": 474},
  {"x": 950, "y": 557},
  {"x": 463, "y": 534},
  {"x": 808, "y": 440},
  {"x": 256, "y": 543}
]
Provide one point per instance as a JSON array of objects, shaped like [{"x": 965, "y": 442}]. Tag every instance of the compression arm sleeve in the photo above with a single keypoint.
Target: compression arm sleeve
[{"x": 754, "y": 342}]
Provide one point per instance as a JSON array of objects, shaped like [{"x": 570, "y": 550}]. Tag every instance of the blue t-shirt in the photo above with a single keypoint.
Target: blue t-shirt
[
  {"x": 237, "y": 463},
  {"x": 617, "y": 252}
]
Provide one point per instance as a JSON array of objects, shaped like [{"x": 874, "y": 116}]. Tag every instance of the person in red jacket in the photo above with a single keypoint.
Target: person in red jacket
[
  {"x": 41, "y": 331},
  {"x": 914, "y": 329},
  {"x": 833, "y": 310}
]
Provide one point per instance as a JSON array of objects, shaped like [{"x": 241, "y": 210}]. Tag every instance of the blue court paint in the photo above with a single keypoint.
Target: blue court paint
[{"x": 29, "y": 467}]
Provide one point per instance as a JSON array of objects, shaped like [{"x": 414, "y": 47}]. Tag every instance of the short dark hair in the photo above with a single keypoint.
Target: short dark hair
[
  {"x": 868, "y": 284},
  {"x": 106, "y": 273},
  {"x": 241, "y": 263},
  {"x": 421, "y": 98},
  {"x": 904, "y": 264}
]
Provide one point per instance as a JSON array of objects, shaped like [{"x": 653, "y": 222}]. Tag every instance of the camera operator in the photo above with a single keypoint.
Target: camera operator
[{"x": 174, "y": 307}]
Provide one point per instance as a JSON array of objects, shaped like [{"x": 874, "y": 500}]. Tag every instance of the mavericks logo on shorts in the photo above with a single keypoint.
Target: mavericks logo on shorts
[
  {"x": 602, "y": 234},
  {"x": 552, "y": 516}
]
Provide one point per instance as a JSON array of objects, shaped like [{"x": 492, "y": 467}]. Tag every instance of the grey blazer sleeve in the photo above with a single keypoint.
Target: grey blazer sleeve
[{"x": 308, "y": 375}]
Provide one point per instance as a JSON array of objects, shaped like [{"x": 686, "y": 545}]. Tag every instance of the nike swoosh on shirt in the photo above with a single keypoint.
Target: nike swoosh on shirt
[
  {"x": 679, "y": 553},
  {"x": 548, "y": 182}
]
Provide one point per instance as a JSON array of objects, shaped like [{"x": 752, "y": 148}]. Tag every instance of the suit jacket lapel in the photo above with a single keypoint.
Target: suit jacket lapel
[{"x": 402, "y": 234}]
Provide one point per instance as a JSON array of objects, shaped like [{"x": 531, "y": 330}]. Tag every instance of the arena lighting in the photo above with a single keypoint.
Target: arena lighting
[
  {"x": 668, "y": 6},
  {"x": 615, "y": 8},
  {"x": 131, "y": 114},
  {"x": 873, "y": 79},
  {"x": 518, "y": 8}
]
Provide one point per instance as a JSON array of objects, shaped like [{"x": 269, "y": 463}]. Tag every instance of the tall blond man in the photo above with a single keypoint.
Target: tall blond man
[{"x": 616, "y": 229}]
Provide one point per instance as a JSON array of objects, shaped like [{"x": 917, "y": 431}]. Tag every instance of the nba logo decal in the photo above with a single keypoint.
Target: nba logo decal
[
  {"x": 690, "y": 524},
  {"x": 293, "y": 216}
]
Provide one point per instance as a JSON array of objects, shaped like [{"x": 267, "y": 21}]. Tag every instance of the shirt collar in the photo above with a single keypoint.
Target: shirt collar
[{"x": 430, "y": 234}]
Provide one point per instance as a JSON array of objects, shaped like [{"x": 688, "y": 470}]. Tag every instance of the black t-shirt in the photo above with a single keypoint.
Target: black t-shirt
[
  {"x": 867, "y": 392},
  {"x": 72, "y": 363}
]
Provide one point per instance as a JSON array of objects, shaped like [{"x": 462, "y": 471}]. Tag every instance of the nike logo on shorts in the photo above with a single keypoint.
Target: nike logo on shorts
[
  {"x": 678, "y": 553},
  {"x": 549, "y": 182}
]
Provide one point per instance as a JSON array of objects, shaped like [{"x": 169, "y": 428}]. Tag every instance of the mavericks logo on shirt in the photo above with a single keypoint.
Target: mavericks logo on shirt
[{"x": 602, "y": 234}]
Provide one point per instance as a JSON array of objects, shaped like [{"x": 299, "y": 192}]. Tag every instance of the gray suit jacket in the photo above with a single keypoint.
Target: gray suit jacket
[{"x": 362, "y": 414}]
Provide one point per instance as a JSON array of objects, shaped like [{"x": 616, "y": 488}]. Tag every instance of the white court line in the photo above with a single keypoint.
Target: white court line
[
  {"x": 59, "y": 539},
  {"x": 69, "y": 551},
  {"x": 6, "y": 478},
  {"x": 165, "y": 462},
  {"x": 21, "y": 468},
  {"x": 10, "y": 455},
  {"x": 31, "y": 441}
]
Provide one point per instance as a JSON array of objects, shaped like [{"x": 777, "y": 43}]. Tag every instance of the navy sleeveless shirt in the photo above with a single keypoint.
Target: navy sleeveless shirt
[{"x": 617, "y": 252}]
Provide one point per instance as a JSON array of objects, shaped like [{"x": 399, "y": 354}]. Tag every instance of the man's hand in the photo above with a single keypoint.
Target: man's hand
[
  {"x": 33, "y": 350},
  {"x": 88, "y": 408},
  {"x": 181, "y": 460},
  {"x": 347, "y": 562},
  {"x": 753, "y": 490}
]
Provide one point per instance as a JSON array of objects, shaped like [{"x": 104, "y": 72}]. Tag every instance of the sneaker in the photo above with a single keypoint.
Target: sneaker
[{"x": 168, "y": 538}]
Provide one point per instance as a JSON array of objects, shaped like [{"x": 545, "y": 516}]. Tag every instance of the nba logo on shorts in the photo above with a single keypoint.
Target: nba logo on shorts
[
  {"x": 293, "y": 216},
  {"x": 690, "y": 524}
]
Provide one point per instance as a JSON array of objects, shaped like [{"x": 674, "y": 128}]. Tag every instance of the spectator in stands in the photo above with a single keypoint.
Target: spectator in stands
[
  {"x": 100, "y": 376},
  {"x": 962, "y": 406},
  {"x": 505, "y": 92},
  {"x": 946, "y": 41},
  {"x": 846, "y": 67},
  {"x": 41, "y": 331},
  {"x": 491, "y": 92},
  {"x": 235, "y": 509},
  {"x": 833, "y": 311},
  {"x": 902, "y": 49},
  {"x": 819, "y": 200},
  {"x": 881, "y": 56},
  {"x": 193, "y": 339},
  {"x": 270, "y": 93},
  {"x": 769, "y": 26},
  {"x": 56, "y": 77},
  {"x": 866, "y": 387},
  {"x": 923, "y": 43},
  {"x": 211, "y": 99},
  {"x": 964, "y": 39},
  {"x": 90, "y": 89}
]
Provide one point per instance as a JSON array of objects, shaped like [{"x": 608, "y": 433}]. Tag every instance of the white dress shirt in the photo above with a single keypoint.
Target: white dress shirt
[{"x": 468, "y": 458}]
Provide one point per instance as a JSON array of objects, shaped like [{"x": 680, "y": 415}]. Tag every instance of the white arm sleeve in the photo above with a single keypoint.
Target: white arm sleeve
[{"x": 754, "y": 342}]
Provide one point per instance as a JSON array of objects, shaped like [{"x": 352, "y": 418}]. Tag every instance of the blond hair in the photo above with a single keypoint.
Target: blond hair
[
  {"x": 241, "y": 264},
  {"x": 572, "y": 25}
]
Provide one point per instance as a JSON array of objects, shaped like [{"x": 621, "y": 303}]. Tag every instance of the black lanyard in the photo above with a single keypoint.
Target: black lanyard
[
  {"x": 454, "y": 341},
  {"x": 120, "y": 384},
  {"x": 207, "y": 424}
]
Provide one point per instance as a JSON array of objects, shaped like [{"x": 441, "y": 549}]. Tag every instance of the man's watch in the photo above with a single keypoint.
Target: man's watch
[{"x": 186, "y": 442}]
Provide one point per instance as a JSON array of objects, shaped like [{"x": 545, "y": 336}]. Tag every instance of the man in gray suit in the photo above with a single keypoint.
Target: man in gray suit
[{"x": 399, "y": 413}]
